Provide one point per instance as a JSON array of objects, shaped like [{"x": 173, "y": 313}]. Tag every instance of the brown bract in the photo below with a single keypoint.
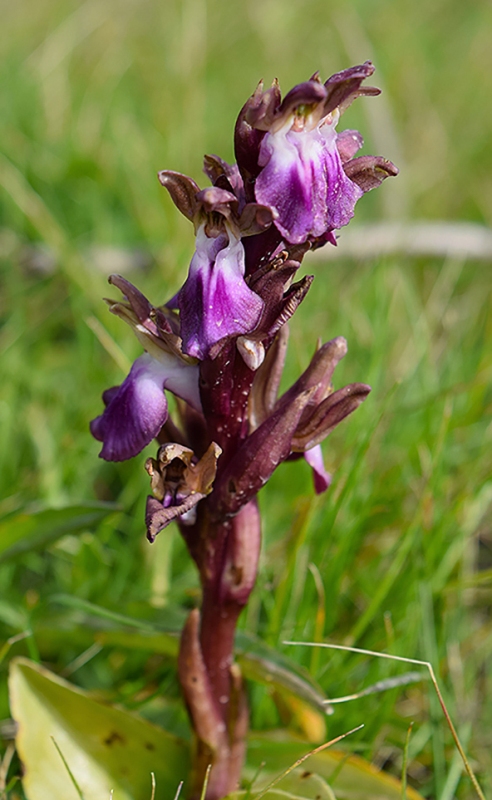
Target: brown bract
[
  {"x": 178, "y": 482},
  {"x": 156, "y": 327}
]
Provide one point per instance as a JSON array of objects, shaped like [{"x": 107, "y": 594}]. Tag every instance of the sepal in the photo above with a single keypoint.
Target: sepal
[
  {"x": 261, "y": 109},
  {"x": 224, "y": 175},
  {"x": 319, "y": 372},
  {"x": 157, "y": 329},
  {"x": 368, "y": 172},
  {"x": 248, "y": 138},
  {"x": 344, "y": 87}
]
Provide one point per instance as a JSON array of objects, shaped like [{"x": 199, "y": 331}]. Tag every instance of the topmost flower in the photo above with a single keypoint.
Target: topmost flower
[{"x": 300, "y": 166}]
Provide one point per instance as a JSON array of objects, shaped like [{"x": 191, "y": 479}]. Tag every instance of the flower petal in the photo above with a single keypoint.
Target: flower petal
[
  {"x": 303, "y": 181},
  {"x": 330, "y": 412},
  {"x": 158, "y": 516},
  {"x": 215, "y": 301},
  {"x": 135, "y": 413},
  {"x": 137, "y": 409},
  {"x": 348, "y": 144},
  {"x": 321, "y": 478}
]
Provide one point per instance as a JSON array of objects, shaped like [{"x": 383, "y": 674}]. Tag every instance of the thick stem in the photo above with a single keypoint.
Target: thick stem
[
  {"x": 217, "y": 631},
  {"x": 227, "y": 557}
]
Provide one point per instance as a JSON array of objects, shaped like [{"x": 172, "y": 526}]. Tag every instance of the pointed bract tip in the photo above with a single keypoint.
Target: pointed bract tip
[{"x": 183, "y": 190}]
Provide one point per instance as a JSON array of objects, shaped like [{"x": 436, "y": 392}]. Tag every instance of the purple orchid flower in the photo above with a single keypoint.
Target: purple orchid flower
[
  {"x": 303, "y": 180},
  {"x": 305, "y": 170},
  {"x": 215, "y": 302},
  {"x": 137, "y": 410}
]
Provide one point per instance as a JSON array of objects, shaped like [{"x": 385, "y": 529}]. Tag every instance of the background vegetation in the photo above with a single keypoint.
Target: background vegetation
[{"x": 95, "y": 97}]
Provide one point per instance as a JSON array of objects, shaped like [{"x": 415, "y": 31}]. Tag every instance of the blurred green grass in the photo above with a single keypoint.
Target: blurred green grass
[{"x": 95, "y": 98}]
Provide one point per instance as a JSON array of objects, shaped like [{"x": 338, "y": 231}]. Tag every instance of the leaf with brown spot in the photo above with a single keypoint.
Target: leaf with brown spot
[{"x": 105, "y": 748}]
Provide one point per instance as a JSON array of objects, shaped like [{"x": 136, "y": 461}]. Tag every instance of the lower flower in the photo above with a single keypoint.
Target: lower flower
[
  {"x": 178, "y": 481},
  {"x": 136, "y": 411}
]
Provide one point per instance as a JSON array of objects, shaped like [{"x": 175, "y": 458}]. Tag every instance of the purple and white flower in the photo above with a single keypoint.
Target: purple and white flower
[
  {"x": 303, "y": 180},
  {"x": 137, "y": 410},
  {"x": 299, "y": 165},
  {"x": 215, "y": 301}
]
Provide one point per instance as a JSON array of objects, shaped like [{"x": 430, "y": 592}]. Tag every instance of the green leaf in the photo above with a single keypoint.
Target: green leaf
[
  {"x": 105, "y": 748},
  {"x": 258, "y": 661},
  {"x": 349, "y": 776},
  {"x": 26, "y": 531}
]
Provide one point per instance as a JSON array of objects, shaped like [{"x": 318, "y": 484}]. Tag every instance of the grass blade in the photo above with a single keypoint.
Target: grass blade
[
  {"x": 427, "y": 664},
  {"x": 65, "y": 764},
  {"x": 303, "y": 759}
]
